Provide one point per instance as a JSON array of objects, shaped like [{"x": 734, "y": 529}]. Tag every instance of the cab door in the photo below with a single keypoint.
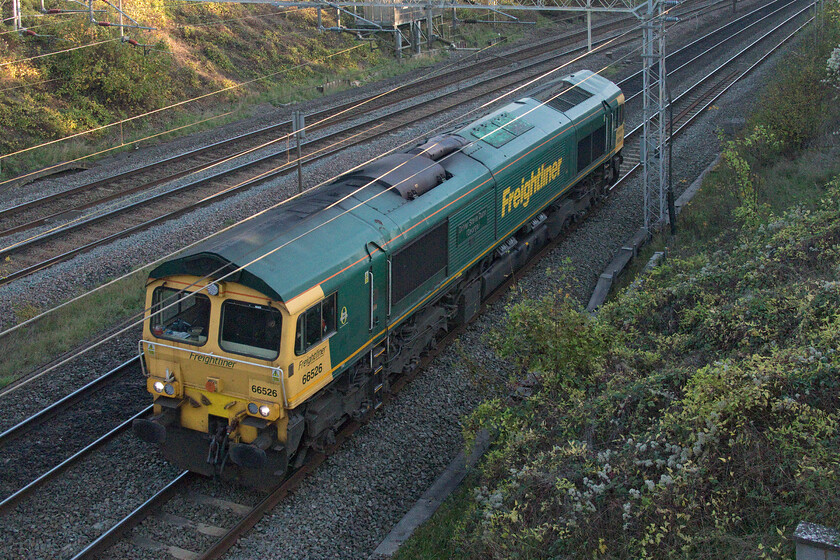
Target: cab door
[
  {"x": 609, "y": 122},
  {"x": 377, "y": 280}
]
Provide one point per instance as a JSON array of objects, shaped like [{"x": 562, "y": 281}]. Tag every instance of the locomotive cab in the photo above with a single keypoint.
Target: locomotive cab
[{"x": 214, "y": 356}]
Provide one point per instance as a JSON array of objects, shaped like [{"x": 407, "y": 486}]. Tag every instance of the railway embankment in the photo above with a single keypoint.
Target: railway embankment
[{"x": 696, "y": 415}]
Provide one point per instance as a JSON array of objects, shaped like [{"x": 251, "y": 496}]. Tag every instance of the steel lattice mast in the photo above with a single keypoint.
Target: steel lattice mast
[{"x": 654, "y": 104}]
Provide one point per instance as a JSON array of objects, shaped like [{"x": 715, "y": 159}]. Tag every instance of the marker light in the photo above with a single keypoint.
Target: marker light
[
  {"x": 265, "y": 411},
  {"x": 157, "y": 330},
  {"x": 213, "y": 289},
  {"x": 159, "y": 386},
  {"x": 169, "y": 389},
  {"x": 210, "y": 385},
  {"x": 252, "y": 408}
]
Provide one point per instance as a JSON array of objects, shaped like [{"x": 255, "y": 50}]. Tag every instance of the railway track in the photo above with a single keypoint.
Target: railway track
[
  {"x": 690, "y": 105},
  {"x": 54, "y": 432},
  {"x": 86, "y": 232},
  {"x": 704, "y": 92}
]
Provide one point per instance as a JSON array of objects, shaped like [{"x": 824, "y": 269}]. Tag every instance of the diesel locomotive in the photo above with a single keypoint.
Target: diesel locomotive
[{"x": 260, "y": 342}]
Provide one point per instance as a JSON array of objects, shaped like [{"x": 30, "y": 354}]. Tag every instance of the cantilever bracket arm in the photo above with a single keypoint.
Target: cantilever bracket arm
[{"x": 500, "y": 12}]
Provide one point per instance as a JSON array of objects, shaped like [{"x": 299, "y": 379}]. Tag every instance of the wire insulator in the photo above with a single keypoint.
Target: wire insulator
[
  {"x": 104, "y": 23},
  {"x": 53, "y": 11},
  {"x": 132, "y": 42},
  {"x": 29, "y": 32}
]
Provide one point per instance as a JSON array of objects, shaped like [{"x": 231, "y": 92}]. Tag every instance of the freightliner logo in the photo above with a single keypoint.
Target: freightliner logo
[{"x": 521, "y": 195}]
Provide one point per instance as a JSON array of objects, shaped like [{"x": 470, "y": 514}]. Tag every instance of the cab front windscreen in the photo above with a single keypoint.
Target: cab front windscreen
[
  {"x": 180, "y": 316},
  {"x": 250, "y": 329}
]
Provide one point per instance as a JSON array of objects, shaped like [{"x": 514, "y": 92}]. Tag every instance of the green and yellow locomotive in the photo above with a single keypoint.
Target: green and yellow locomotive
[{"x": 264, "y": 339}]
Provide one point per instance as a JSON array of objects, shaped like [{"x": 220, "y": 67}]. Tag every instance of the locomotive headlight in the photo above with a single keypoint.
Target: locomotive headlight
[
  {"x": 168, "y": 389},
  {"x": 265, "y": 410},
  {"x": 158, "y": 386}
]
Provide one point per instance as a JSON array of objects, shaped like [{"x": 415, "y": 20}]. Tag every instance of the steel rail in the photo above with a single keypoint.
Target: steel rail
[
  {"x": 13, "y": 499},
  {"x": 113, "y": 534},
  {"x": 57, "y": 407},
  {"x": 708, "y": 51},
  {"x": 703, "y": 81},
  {"x": 273, "y": 497}
]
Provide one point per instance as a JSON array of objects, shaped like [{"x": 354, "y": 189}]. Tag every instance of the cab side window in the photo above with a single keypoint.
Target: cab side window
[{"x": 315, "y": 324}]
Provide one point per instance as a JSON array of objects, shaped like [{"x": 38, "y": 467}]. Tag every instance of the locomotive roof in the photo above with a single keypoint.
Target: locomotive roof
[{"x": 258, "y": 242}]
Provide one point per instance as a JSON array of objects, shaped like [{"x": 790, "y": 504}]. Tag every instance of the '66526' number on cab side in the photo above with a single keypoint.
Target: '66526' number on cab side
[{"x": 312, "y": 373}]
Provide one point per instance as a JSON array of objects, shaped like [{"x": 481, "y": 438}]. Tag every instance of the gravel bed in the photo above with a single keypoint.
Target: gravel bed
[
  {"x": 21, "y": 403},
  {"x": 65, "y": 434},
  {"x": 362, "y": 490},
  {"x": 89, "y": 498}
]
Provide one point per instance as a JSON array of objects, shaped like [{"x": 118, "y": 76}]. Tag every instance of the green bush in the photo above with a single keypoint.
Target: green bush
[{"x": 695, "y": 418}]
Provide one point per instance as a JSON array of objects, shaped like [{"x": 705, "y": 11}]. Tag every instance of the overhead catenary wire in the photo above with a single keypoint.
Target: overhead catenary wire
[
  {"x": 32, "y": 84},
  {"x": 17, "y": 31},
  {"x": 279, "y": 139},
  {"x": 180, "y": 103},
  {"x": 138, "y": 318}
]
